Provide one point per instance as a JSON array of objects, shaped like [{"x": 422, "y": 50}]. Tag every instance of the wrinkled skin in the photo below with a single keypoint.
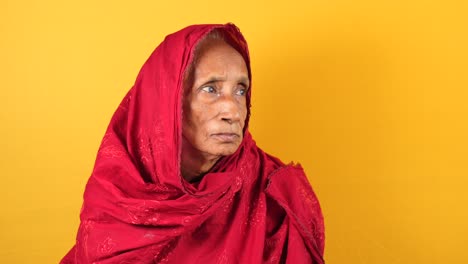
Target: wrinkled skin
[{"x": 214, "y": 108}]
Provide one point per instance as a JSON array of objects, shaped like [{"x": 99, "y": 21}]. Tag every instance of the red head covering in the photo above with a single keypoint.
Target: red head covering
[{"x": 250, "y": 208}]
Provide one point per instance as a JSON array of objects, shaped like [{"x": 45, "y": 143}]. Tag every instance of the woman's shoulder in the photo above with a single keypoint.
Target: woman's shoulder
[{"x": 273, "y": 165}]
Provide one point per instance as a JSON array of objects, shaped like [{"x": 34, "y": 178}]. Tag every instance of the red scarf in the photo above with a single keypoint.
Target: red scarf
[{"x": 250, "y": 208}]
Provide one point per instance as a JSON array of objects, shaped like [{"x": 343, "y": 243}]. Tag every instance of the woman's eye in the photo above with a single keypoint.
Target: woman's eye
[
  {"x": 209, "y": 89},
  {"x": 242, "y": 91}
]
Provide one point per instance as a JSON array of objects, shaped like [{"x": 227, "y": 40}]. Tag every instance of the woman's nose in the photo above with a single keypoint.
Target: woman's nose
[{"x": 230, "y": 109}]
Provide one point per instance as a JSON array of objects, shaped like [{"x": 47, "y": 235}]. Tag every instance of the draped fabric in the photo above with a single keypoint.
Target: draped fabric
[{"x": 249, "y": 208}]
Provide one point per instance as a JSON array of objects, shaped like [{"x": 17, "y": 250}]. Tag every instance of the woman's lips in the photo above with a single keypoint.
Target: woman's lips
[{"x": 226, "y": 137}]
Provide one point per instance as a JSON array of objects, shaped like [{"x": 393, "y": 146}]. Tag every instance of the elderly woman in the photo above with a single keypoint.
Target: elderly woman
[{"x": 178, "y": 177}]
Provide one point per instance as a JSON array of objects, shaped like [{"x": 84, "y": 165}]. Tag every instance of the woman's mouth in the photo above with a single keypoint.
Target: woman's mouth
[{"x": 226, "y": 137}]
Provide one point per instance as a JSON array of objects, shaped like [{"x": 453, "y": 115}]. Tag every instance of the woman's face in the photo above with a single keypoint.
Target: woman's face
[{"x": 214, "y": 106}]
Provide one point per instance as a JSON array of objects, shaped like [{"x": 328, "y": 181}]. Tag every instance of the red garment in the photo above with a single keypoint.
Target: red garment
[{"x": 250, "y": 208}]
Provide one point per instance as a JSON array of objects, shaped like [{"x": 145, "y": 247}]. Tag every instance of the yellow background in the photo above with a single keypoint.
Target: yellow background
[{"x": 370, "y": 96}]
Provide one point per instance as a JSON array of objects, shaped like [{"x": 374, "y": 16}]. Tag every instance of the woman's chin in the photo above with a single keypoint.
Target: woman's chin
[{"x": 224, "y": 150}]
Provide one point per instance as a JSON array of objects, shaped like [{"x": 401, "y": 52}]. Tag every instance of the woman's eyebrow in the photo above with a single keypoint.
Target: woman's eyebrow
[
  {"x": 245, "y": 80},
  {"x": 214, "y": 79},
  {"x": 210, "y": 81}
]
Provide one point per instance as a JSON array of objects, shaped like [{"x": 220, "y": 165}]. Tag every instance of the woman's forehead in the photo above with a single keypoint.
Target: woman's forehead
[{"x": 216, "y": 60}]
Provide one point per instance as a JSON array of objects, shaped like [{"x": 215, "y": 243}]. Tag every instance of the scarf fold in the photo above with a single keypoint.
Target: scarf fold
[{"x": 250, "y": 208}]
